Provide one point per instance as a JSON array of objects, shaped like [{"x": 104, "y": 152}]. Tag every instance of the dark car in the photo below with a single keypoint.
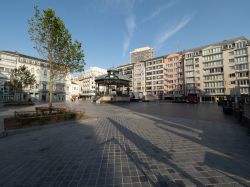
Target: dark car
[{"x": 227, "y": 107}]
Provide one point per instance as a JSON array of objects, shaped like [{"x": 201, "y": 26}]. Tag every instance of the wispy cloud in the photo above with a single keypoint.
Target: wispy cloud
[
  {"x": 118, "y": 6},
  {"x": 130, "y": 28},
  {"x": 166, "y": 34},
  {"x": 124, "y": 8},
  {"x": 159, "y": 11}
]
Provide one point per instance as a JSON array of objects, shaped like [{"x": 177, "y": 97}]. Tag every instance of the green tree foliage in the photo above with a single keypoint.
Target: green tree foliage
[
  {"x": 20, "y": 78},
  {"x": 54, "y": 43}
]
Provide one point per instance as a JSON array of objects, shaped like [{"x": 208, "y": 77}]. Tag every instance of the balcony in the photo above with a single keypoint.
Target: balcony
[
  {"x": 215, "y": 66},
  {"x": 190, "y": 82},
  {"x": 189, "y": 63},
  {"x": 241, "y": 78},
  {"x": 188, "y": 70},
  {"x": 214, "y": 73},
  {"x": 212, "y": 60},
  {"x": 214, "y": 80},
  {"x": 240, "y": 55},
  {"x": 214, "y": 53},
  {"x": 189, "y": 76},
  {"x": 241, "y": 70},
  {"x": 244, "y": 62},
  {"x": 214, "y": 87}
]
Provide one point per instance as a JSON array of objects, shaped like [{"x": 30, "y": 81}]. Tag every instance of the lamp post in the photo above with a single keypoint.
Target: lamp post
[{"x": 3, "y": 91}]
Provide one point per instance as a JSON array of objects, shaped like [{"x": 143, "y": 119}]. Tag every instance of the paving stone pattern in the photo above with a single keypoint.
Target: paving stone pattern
[{"x": 118, "y": 146}]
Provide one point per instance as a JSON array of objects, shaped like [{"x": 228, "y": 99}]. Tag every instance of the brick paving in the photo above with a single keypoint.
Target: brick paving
[{"x": 123, "y": 145}]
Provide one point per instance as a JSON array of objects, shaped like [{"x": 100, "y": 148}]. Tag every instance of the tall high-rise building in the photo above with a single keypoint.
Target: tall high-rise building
[
  {"x": 138, "y": 57},
  {"x": 141, "y": 54}
]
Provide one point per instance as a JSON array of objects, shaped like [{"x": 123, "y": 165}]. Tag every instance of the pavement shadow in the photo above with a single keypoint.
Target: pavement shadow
[
  {"x": 228, "y": 167},
  {"x": 144, "y": 168},
  {"x": 66, "y": 155},
  {"x": 154, "y": 152},
  {"x": 170, "y": 123},
  {"x": 232, "y": 165},
  {"x": 196, "y": 112}
]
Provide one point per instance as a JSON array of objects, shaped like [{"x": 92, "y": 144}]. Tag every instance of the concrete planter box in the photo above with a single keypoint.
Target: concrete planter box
[
  {"x": 24, "y": 122},
  {"x": 19, "y": 104}
]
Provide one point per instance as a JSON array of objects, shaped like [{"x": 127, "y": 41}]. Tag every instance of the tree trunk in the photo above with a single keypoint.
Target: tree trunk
[
  {"x": 50, "y": 91},
  {"x": 15, "y": 95},
  {"x": 50, "y": 78}
]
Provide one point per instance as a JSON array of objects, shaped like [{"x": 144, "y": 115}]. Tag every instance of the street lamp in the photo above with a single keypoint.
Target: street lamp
[
  {"x": 3, "y": 91},
  {"x": 237, "y": 91}
]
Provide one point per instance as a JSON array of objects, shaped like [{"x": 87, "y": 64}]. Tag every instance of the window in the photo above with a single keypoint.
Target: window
[
  {"x": 7, "y": 70},
  {"x": 44, "y": 86}
]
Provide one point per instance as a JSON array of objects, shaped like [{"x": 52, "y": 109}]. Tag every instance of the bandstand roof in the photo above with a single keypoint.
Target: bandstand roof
[
  {"x": 112, "y": 77},
  {"x": 105, "y": 77}
]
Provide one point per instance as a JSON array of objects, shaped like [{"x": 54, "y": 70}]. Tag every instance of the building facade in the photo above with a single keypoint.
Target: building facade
[
  {"x": 139, "y": 77},
  {"x": 138, "y": 57},
  {"x": 87, "y": 82},
  {"x": 193, "y": 71},
  {"x": 174, "y": 76},
  {"x": 218, "y": 70},
  {"x": 128, "y": 71},
  {"x": 74, "y": 90},
  {"x": 154, "y": 76},
  {"x": 40, "y": 68},
  {"x": 8, "y": 62}
]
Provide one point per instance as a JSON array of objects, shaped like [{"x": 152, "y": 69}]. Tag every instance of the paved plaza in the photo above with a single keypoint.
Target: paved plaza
[{"x": 136, "y": 144}]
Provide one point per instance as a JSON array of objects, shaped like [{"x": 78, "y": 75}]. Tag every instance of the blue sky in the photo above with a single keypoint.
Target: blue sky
[{"x": 109, "y": 29}]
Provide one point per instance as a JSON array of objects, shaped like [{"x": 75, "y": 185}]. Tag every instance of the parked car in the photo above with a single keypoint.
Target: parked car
[
  {"x": 227, "y": 106},
  {"x": 192, "y": 98}
]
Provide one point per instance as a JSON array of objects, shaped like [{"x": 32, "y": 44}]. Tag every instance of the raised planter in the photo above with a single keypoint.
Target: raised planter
[
  {"x": 19, "y": 103},
  {"x": 26, "y": 119}
]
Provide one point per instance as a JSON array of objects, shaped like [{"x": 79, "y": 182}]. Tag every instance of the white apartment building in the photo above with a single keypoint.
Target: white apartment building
[
  {"x": 128, "y": 71},
  {"x": 139, "y": 77},
  {"x": 74, "y": 90},
  {"x": 87, "y": 82},
  {"x": 154, "y": 76},
  {"x": 7, "y": 63},
  {"x": 193, "y": 67},
  {"x": 39, "y": 67},
  {"x": 216, "y": 70}
]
